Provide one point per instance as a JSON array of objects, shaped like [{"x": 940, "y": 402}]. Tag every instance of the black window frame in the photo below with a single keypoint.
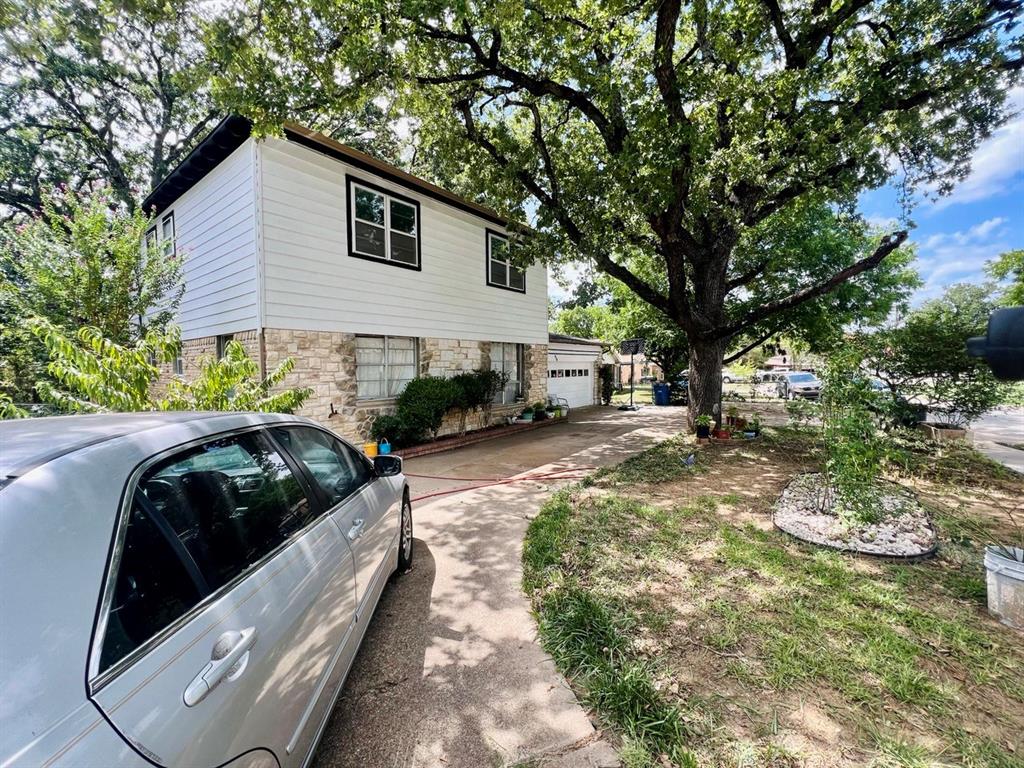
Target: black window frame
[
  {"x": 489, "y": 234},
  {"x": 96, "y": 679},
  {"x": 350, "y": 220},
  {"x": 159, "y": 242}
]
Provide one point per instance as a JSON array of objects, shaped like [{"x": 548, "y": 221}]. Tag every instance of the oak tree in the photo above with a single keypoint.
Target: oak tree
[{"x": 662, "y": 130}]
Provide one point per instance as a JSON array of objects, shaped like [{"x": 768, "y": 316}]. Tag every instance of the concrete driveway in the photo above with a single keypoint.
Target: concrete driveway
[{"x": 450, "y": 673}]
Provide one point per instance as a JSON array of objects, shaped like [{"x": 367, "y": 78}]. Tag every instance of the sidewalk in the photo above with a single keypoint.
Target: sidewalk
[{"x": 994, "y": 432}]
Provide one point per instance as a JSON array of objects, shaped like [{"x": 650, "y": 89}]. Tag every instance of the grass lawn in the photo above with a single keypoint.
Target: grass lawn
[
  {"x": 642, "y": 395},
  {"x": 701, "y": 635}
]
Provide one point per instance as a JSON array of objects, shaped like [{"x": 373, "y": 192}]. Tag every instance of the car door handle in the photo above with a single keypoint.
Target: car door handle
[
  {"x": 228, "y": 659},
  {"x": 356, "y": 530}
]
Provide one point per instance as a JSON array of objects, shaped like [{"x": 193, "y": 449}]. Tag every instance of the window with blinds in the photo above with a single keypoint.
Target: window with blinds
[{"x": 384, "y": 365}]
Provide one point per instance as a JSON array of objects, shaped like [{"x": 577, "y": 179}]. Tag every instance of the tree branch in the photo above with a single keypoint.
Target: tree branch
[{"x": 889, "y": 244}]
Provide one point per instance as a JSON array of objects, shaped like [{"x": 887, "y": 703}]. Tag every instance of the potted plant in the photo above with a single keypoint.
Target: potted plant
[
  {"x": 539, "y": 413},
  {"x": 723, "y": 433},
  {"x": 731, "y": 413},
  {"x": 703, "y": 423},
  {"x": 527, "y": 414},
  {"x": 755, "y": 425},
  {"x": 553, "y": 411}
]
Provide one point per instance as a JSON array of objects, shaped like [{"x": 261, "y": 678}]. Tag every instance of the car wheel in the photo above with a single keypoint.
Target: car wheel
[
  {"x": 405, "y": 537},
  {"x": 726, "y": 380}
]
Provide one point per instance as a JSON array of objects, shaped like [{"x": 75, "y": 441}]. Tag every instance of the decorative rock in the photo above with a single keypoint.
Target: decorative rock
[{"x": 904, "y": 530}]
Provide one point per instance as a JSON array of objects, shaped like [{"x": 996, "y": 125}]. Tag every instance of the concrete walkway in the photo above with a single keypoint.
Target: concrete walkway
[
  {"x": 450, "y": 673},
  {"x": 996, "y": 431}
]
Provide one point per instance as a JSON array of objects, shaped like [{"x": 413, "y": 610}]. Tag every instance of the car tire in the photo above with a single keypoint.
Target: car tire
[
  {"x": 726, "y": 380},
  {"x": 405, "y": 540}
]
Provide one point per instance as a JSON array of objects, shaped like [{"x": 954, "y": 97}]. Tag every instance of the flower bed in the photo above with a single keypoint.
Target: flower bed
[
  {"x": 476, "y": 436},
  {"x": 904, "y": 530}
]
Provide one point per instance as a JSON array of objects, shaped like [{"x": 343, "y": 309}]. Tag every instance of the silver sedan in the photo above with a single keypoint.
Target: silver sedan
[{"x": 183, "y": 589}]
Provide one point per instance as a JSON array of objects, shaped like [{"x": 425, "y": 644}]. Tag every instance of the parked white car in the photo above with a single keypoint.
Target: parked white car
[{"x": 185, "y": 589}]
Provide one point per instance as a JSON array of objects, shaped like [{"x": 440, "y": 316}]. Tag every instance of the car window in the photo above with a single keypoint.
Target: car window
[
  {"x": 338, "y": 469},
  {"x": 802, "y": 377},
  {"x": 199, "y": 519},
  {"x": 152, "y": 589}
]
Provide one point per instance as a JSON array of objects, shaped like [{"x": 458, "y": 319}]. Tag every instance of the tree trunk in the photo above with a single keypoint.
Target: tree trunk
[{"x": 706, "y": 380}]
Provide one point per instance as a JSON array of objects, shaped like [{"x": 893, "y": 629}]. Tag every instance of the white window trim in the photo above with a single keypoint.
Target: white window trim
[
  {"x": 385, "y": 365},
  {"x": 492, "y": 235},
  {"x": 355, "y": 185}
]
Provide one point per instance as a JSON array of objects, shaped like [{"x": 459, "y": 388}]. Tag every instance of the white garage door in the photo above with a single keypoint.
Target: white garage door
[{"x": 573, "y": 381}]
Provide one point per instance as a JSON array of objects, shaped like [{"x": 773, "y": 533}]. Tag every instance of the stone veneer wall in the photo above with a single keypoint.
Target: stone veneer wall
[
  {"x": 194, "y": 349},
  {"x": 326, "y": 363}
]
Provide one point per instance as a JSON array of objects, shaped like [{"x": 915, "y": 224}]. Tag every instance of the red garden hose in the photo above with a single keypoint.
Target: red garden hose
[{"x": 571, "y": 473}]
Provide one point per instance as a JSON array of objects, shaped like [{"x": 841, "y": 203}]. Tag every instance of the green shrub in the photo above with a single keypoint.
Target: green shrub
[
  {"x": 856, "y": 451},
  {"x": 426, "y": 400},
  {"x": 398, "y": 429}
]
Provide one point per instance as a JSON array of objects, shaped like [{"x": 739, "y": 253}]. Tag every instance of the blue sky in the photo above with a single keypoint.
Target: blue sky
[
  {"x": 955, "y": 235},
  {"x": 983, "y": 217}
]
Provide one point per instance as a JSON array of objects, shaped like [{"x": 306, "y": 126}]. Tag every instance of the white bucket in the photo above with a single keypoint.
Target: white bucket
[{"x": 1004, "y": 568}]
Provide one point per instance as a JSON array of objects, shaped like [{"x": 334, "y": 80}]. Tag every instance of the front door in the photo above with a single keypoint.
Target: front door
[{"x": 230, "y": 596}]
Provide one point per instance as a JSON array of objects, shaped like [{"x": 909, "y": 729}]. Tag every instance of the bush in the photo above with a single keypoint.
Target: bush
[
  {"x": 399, "y": 430},
  {"x": 924, "y": 360},
  {"x": 426, "y": 400},
  {"x": 855, "y": 451}
]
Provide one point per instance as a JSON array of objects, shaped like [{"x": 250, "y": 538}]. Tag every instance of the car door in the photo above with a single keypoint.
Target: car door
[
  {"x": 229, "y": 599},
  {"x": 361, "y": 506}
]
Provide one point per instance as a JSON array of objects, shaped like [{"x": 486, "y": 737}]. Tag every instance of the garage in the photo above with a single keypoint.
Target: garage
[{"x": 573, "y": 369}]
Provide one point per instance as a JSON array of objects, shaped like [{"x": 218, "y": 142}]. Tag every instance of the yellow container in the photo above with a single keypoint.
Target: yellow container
[{"x": 370, "y": 449}]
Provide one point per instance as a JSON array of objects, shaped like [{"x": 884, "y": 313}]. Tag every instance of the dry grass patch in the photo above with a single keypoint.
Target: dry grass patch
[{"x": 760, "y": 650}]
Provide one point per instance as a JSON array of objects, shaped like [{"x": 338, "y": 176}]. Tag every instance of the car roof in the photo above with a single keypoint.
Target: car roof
[{"x": 29, "y": 443}]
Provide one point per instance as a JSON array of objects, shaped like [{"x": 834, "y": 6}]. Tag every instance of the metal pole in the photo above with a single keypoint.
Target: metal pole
[{"x": 632, "y": 378}]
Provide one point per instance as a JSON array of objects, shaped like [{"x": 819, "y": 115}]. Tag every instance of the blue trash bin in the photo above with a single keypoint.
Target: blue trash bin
[{"x": 661, "y": 393}]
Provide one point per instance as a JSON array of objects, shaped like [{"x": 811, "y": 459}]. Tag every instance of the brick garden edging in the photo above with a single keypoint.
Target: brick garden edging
[{"x": 470, "y": 438}]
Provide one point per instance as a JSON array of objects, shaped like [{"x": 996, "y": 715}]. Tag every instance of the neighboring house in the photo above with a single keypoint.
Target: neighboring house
[
  {"x": 642, "y": 370},
  {"x": 573, "y": 365},
  {"x": 303, "y": 247}
]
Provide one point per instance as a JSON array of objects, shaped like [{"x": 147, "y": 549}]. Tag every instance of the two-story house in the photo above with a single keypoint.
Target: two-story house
[{"x": 367, "y": 276}]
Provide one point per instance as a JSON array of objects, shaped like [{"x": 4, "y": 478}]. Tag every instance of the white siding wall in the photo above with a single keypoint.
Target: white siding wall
[
  {"x": 311, "y": 283},
  {"x": 215, "y": 225}
]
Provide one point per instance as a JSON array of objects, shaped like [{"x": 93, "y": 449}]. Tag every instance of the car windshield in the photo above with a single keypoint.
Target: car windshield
[{"x": 802, "y": 377}]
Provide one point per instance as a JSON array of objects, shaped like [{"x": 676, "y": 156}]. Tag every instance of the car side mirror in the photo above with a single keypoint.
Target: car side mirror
[{"x": 387, "y": 466}]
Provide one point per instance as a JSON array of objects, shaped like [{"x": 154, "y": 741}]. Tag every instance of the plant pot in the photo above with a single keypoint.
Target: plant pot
[
  {"x": 539, "y": 415},
  {"x": 723, "y": 434},
  {"x": 942, "y": 434},
  {"x": 749, "y": 435},
  {"x": 703, "y": 432},
  {"x": 526, "y": 416},
  {"x": 1004, "y": 571}
]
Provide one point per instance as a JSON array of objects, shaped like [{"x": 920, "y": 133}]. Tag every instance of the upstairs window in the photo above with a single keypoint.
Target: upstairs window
[
  {"x": 501, "y": 272},
  {"x": 383, "y": 226},
  {"x": 159, "y": 237}
]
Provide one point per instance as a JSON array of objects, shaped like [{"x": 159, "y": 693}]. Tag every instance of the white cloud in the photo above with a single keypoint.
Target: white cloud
[
  {"x": 946, "y": 258},
  {"x": 998, "y": 162},
  {"x": 979, "y": 233}
]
